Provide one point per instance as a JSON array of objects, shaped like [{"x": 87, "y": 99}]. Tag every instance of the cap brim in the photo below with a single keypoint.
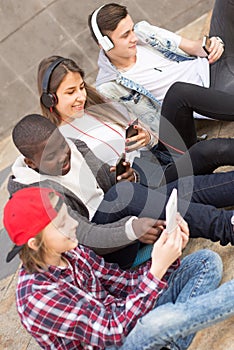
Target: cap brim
[{"x": 15, "y": 250}]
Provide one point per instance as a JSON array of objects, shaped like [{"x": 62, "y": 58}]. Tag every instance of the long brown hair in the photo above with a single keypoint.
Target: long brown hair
[{"x": 95, "y": 104}]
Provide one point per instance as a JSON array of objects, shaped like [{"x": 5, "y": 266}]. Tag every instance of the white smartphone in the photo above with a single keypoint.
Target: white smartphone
[{"x": 171, "y": 210}]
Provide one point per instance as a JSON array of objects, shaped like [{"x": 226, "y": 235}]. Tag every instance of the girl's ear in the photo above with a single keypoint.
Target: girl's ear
[
  {"x": 32, "y": 244},
  {"x": 30, "y": 163}
]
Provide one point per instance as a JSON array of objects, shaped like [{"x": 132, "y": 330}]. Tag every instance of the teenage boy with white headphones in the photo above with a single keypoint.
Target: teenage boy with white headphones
[{"x": 138, "y": 63}]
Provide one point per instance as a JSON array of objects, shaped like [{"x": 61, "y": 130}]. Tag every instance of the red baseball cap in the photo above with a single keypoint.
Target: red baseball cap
[{"x": 26, "y": 213}]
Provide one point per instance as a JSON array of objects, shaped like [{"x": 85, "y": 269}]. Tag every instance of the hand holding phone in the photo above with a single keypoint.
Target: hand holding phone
[
  {"x": 120, "y": 168},
  {"x": 206, "y": 44},
  {"x": 171, "y": 211}
]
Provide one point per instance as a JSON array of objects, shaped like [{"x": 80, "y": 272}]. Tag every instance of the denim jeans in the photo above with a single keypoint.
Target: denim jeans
[
  {"x": 199, "y": 198},
  {"x": 191, "y": 302}
]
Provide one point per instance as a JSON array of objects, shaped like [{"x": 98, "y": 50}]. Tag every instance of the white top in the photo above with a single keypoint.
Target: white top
[
  {"x": 106, "y": 140},
  {"x": 157, "y": 73},
  {"x": 79, "y": 180}
]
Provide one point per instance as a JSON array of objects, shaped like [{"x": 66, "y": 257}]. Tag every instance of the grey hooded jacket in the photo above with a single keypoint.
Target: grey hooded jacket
[{"x": 101, "y": 238}]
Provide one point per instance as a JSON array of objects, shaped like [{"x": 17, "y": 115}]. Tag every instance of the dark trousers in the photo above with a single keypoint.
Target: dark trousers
[
  {"x": 177, "y": 132},
  {"x": 182, "y": 99},
  {"x": 199, "y": 198},
  {"x": 222, "y": 25}
]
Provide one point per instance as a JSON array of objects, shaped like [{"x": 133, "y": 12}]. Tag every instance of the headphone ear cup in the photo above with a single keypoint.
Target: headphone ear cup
[
  {"x": 103, "y": 40},
  {"x": 49, "y": 99},
  {"x": 106, "y": 43}
]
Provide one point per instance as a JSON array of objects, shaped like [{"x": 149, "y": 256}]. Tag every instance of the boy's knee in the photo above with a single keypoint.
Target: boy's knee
[
  {"x": 177, "y": 93},
  {"x": 177, "y": 89},
  {"x": 213, "y": 260}
]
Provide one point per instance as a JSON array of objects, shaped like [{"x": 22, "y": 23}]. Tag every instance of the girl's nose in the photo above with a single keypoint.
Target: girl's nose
[{"x": 79, "y": 96}]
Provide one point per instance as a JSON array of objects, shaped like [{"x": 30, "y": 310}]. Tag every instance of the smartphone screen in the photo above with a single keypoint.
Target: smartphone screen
[
  {"x": 130, "y": 131},
  {"x": 120, "y": 168},
  {"x": 171, "y": 210}
]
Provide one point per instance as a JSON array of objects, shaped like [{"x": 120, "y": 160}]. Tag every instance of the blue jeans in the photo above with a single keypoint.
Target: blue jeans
[
  {"x": 199, "y": 198},
  {"x": 190, "y": 303}
]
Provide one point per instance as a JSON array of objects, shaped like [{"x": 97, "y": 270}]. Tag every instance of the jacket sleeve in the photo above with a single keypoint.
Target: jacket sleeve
[
  {"x": 101, "y": 170},
  {"x": 103, "y": 238},
  {"x": 159, "y": 37},
  {"x": 119, "y": 282}
]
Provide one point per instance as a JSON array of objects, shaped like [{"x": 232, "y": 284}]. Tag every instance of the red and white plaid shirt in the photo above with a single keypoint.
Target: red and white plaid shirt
[{"x": 88, "y": 305}]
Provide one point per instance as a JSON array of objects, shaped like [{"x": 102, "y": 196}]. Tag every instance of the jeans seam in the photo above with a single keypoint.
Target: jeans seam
[
  {"x": 205, "y": 188},
  {"x": 199, "y": 281}
]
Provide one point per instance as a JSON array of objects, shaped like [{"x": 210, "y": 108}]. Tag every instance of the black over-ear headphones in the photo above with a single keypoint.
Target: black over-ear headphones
[
  {"x": 49, "y": 99},
  {"x": 104, "y": 41}
]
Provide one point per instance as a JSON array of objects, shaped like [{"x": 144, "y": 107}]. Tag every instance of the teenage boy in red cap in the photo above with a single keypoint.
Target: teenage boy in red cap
[{"x": 69, "y": 298}]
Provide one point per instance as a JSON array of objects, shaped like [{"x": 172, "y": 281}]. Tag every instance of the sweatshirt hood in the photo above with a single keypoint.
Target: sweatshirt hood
[
  {"x": 107, "y": 71},
  {"x": 23, "y": 173}
]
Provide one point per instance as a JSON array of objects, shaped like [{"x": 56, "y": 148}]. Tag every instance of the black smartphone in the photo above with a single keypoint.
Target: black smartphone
[
  {"x": 206, "y": 44},
  {"x": 120, "y": 168},
  {"x": 130, "y": 131}
]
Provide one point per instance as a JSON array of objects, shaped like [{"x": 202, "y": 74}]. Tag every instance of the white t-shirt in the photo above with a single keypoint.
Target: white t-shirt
[
  {"x": 106, "y": 140},
  {"x": 157, "y": 73}
]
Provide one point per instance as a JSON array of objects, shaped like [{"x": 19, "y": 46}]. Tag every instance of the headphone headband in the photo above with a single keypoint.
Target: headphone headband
[
  {"x": 48, "y": 72},
  {"x": 103, "y": 40},
  {"x": 49, "y": 99}
]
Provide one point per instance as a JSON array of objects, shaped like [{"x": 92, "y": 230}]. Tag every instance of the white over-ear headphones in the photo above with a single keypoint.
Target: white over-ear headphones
[{"x": 104, "y": 41}]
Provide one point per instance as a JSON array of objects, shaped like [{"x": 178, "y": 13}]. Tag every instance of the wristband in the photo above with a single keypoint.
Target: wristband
[
  {"x": 220, "y": 40},
  {"x": 136, "y": 176},
  {"x": 152, "y": 142},
  {"x": 129, "y": 229}
]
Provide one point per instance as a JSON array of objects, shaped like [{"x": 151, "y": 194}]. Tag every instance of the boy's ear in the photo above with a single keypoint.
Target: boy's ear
[
  {"x": 30, "y": 163},
  {"x": 32, "y": 244}
]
